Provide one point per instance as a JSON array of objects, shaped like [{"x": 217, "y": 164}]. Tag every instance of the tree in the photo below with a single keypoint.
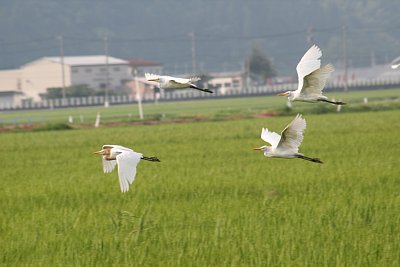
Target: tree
[
  {"x": 71, "y": 91},
  {"x": 259, "y": 65}
]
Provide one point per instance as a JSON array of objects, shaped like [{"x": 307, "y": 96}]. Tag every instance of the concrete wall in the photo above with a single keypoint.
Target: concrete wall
[
  {"x": 10, "y": 80},
  {"x": 42, "y": 74},
  {"x": 10, "y": 99},
  {"x": 226, "y": 84},
  {"x": 95, "y": 75}
]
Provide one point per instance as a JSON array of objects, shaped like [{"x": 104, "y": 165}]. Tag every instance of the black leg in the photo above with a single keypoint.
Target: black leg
[
  {"x": 200, "y": 89},
  {"x": 154, "y": 159},
  {"x": 316, "y": 160},
  {"x": 332, "y": 102}
]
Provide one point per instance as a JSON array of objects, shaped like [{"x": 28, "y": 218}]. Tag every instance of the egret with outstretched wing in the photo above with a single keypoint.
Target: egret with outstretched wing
[
  {"x": 287, "y": 144},
  {"x": 127, "y": 161},
  {"x": 312, "y": 79},
  {"x": 168, "y": 82}
]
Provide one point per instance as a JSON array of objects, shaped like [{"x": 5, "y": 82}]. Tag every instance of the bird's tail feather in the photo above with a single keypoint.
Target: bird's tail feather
[{"x": 316, "y": 160}]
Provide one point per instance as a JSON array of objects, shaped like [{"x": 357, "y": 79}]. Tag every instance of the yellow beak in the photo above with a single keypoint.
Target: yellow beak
[
  {"x": 257, "y": 148},
  {"x": 98, "y": 152},
  {"x": 281, "y": 94}
]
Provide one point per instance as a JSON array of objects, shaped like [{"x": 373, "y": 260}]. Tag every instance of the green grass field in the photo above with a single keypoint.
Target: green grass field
[
  {"x": 208, "y": 109},
  {"x": 212, "y": 201}
]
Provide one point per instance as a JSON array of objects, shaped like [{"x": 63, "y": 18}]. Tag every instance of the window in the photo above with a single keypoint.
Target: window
[
  {"x": 88, "y": 70},
  {"x": 116, "y": 69},
  {"x": 74, "y": 70}
]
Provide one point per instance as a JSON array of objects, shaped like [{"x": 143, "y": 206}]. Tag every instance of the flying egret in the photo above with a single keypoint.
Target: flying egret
[
  {"x": 287, "y": 144},
  {"x": 127, "y": 160},
  {"x": 395, "y": 66},
  {"x": 168, "y": 82},
  {"x": 312, "y": 79},
  {"x": 395, "y": 63}
]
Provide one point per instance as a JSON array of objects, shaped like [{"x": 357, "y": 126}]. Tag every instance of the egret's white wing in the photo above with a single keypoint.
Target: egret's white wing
[
  {"x": 308, "y": 63},
  {"x": 194, "y": 79},
  {"x": 292, "y": 135},
  {"x": 151, "y": 76},
  {"x": 127, "y": 162},
  {"x": 315, "y": 81},
  {"x": 183, "y": 80},
  {"x": 313, "y": 53},
  {"x": 118, "y": 147},
  {"x": 270, "y": 137},
  {"x": 108, "y": 165},
  {"x": 180, "y": 81}
]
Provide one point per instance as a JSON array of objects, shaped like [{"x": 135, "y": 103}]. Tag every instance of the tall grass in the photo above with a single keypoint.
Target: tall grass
[
  {"x": 197, "y": 108},
  {"x": 212, "y": 201}
]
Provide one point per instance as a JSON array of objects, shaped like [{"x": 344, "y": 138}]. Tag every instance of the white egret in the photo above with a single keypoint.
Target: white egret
[
  {"x": 395, "y": 63},
  {"x": 168, "y": 82},
  {"x": 287, "y": 144},
  {"x": 127, "y": 160},
  {"x": 312, "y": 79},
  {"x": 395, "y": 66}
]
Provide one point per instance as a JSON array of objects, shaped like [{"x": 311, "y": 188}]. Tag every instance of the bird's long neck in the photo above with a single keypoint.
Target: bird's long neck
[
  {"x": 291, "y": 95},
  {"x": 107, "y": 155},
  {"x": 267, "y": 150}
]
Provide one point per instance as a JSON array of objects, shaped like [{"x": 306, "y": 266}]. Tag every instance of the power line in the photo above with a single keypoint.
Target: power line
[
  {"x": 60, "y": 38},
  {"x": 192, "y": 38},
  {"x": 26, "y": 42},
  {"x": 106, "y": 104}
]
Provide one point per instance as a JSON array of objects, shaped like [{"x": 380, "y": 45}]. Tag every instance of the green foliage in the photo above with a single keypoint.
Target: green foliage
[
  {"x": 212, "y": 201},
  {"x": 53, "y": 127},
  {"x": 260, "y": 67},
  {"x": 213, "y": 109},
  {"x": 223, "y": 29},
  {"x": 71, "y": 91}
]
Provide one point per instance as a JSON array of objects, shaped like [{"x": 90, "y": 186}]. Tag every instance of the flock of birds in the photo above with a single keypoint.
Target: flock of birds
[{"x": 311, "y": 81}]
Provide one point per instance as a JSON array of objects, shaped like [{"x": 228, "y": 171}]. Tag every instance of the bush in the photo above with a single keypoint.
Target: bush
[{"x": 53, "y": 127}]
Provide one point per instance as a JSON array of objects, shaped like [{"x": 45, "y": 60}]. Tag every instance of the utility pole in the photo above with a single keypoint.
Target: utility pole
[
  {"x": 138, "y": 94},
  {"x": 344, "y": 41},
  {"x": 192, "y": 37},
  {"x": 246, "y": 72},
  {"x": 310, "y": 35},
  {"x": 106, "y": 103},
  {"x": 61, "y": 40},
  {"x": 373, "y": 61}
]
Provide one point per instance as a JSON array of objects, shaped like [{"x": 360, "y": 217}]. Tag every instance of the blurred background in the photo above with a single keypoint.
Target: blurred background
[{"x": 90, "y": 50}]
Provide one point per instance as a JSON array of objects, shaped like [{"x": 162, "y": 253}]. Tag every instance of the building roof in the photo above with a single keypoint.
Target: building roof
[
  {"x": 11, "y": 92},
  {"x": 225, "y": 74},
  {"x": 138, "y": 62},
  {"x": 88, "y": 60}
]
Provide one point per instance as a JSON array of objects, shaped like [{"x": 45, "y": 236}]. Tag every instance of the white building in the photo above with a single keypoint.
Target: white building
[
  {"x": 9, "y": 99},
  {"x": 35, "y": 77},
  {"x": 142, "y": 66},
  {"x": 377, "y": 72},
  {"x": 227, "y": 81}
]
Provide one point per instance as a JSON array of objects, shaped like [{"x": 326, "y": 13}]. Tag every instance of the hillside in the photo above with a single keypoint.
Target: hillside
[{"x": 225, "y": 30}]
